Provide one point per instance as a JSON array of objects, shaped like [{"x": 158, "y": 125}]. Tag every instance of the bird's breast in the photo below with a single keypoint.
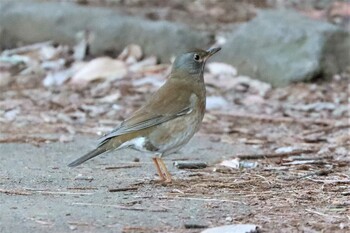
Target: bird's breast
[{"x": 175, "y": 133}]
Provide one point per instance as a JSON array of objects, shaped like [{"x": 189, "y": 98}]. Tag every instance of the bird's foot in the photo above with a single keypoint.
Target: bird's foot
[{"x": 163, "y": 173}]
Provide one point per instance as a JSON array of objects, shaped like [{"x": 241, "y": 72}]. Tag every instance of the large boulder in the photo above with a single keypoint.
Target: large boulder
[
  {"x": 30, "y": 22},
  {"x": 283, "y": 46}
]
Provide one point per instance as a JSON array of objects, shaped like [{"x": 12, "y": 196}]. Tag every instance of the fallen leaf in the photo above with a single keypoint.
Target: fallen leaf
[
  {"x": 131, "y": 54},
  {"x": 236, "y": 228},
  {"x": 49, "y": 52},
  {"x": 57, "y": 78},
  {"x": 66, "y": 138},
  {"x": 253, "y": 99},
  {"x": 5, "y": 78},
  {"x": 140, "y": 66},
  {"x": 285, "y": 149},
  {"x": 217, "y": 68},
  {"x": 216, "y": 102},
  {"x": 317, "y": 106},
  {"x": 11, "y": 115},
  {"x": 254, "y": 86},
  {"x": 236, "y": 163},
  {"x": 110, "y": 98},
  {"x": 232, "y": 163},
  {"x": 104, "y": 68},
  {"x": 153, "y": 80}
]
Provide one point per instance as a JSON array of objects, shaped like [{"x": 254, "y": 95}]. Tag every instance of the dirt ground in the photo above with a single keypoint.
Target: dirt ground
[{"x": 39, "y": 193}]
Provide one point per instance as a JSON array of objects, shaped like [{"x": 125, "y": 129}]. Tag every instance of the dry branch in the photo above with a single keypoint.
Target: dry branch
[
  {"x": 122, "y": 167},
  {"x": 276, "y": 155},
  {"x": 114, "y": 190},
  {"x": 14, "y": 192}
]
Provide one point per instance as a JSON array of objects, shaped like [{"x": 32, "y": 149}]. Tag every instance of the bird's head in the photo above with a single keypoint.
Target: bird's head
[{"x": 193, "y": 61}]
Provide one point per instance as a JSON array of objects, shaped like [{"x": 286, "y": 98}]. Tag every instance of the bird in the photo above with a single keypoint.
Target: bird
[{"x": 170, "y": 117}]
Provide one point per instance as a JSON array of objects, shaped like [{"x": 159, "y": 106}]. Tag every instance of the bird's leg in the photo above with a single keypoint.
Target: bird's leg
[
  {"x": 160, "y": 173},
  {"x": 167, "y": 177}
]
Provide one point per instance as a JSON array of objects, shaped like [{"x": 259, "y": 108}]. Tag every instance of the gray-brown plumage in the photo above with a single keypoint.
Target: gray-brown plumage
[{"x": 170, "y": 117}]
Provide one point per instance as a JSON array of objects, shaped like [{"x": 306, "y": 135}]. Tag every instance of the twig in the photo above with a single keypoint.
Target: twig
[
  {"x": 276, "y": 155},
  {"x": 61, "y": 193},
  {"x": 202, "y": 199},
  {"x": 113, "y": 190},
  {"x": 330, "y": 181},
  {"x": 120, "y": 207},
  {"x": 42, "y": 222},
  {"x": 321, "y": 214},
  {"x": 122, "y": 167},
  {"x": 133, "y": 229},
  {"x": 301, "y": 162},
  {"x": 303, "y": 158},
  {"x": 80, "y": 224},
  {"x": 82, "y": 188},
  {"x": 277, "y": 119},
  {"x": 15, "y": 192},
  {"x": 194, "y": 226},
  {"x": 190, "y": 164},
  {"x": 27, "y": 139},
  {"x": 326, "y": 129},
  {"x": 315, "y": 212},
  {"x": 318, "y": 173}
]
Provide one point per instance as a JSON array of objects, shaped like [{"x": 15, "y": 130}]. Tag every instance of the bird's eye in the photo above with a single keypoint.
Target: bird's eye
[{"x": 196, "y": 57}]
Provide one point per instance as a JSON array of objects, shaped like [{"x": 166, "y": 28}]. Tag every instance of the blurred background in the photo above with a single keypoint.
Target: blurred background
[
  {"x": 280, "y": 84},
  {"x": 90, "y": 63}
]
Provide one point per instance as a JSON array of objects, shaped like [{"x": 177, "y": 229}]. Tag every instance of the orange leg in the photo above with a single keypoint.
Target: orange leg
[
  {"x": 160, "y": 173},
  {"x": 167, "y": 176}
]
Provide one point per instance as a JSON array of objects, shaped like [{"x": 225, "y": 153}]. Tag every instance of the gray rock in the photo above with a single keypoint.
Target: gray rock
[
  {"x": 31, "y": 22},
  {"x": 283, "y": 46}
]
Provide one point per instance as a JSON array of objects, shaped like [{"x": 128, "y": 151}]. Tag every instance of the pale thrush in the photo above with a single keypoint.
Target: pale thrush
[{"x": 169, "y": 118}]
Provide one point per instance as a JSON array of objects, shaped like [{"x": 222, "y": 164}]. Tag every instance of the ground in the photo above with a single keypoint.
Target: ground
[{"x": 114, "y": 194}]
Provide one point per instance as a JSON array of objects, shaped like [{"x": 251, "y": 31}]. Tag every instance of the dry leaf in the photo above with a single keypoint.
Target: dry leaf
[
  {"x": 110, "y": 98},
  {"x": 140, "y": 66},
  {"x": 153, "y": 80},
  {"x": 131, "y": 54},
  {"x": 232, "y": 163},
  {"x": 236, "y": 228},
  {"x": 57, "y": 78},
  {"x": 217, "y": 68},
  {"x": 66, "y": 138},
  {"x": 216, "y": 102},
  {"x": 104, "y": 68},
  {"x": 49, "y": 52},
  {"x": 5, "y": 78}
]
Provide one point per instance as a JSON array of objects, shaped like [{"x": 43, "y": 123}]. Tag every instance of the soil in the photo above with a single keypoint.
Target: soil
[{"x": 112, "y": 193}]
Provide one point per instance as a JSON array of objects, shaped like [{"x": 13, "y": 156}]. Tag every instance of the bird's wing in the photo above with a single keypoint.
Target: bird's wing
[{"x": 171, "y": 101}]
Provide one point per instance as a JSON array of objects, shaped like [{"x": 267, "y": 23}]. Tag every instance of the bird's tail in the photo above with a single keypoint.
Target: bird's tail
[{"x": 88, "y": 156}]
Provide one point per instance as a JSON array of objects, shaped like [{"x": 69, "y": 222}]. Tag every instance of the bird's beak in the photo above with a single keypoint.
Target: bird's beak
[{"x": 212, "y": 51}]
